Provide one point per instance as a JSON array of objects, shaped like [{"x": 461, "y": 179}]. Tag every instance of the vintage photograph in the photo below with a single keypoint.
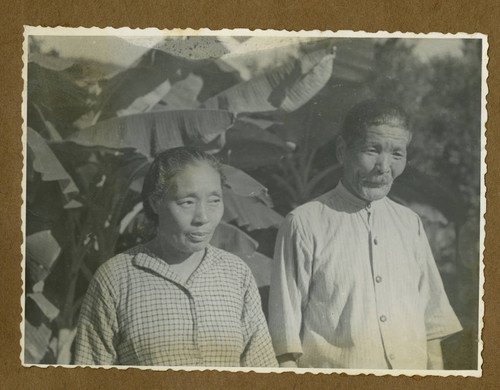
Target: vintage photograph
[{"x": 305, "y": 201}]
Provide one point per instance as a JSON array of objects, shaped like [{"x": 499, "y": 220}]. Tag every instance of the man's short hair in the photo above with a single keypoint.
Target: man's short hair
[{"x": 372, "y": 112}]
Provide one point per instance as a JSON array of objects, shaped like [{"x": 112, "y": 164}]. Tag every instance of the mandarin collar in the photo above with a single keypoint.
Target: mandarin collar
[{"x": 354, "y": 200}]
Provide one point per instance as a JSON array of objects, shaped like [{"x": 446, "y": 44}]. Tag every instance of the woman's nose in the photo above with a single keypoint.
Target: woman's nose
[{"x": 200, "y": 215}]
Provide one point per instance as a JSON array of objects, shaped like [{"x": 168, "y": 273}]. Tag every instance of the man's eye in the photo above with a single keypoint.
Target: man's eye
[
  {"x": 214, "y": 201},
  {"x": 371, "y": 150},
  {"x": 398, "y": 155},
  {"x": 185, "y": 203}
]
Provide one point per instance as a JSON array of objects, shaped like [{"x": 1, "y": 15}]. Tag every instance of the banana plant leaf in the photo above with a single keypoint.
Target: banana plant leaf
[
  {"x": 261, "y": 268},
  {"x": 45, "y": 162},
  {"x": 250, "y": 147},
  {"x": 125, "y": 91},
  {"x": 287, "y": 87},
  {"x": 194, "y": 47},
  {"x": 56, "y": 93},
  {"x": 234, "y": 240},
  {"x": 147, "y": 102},
  {"x": 249, "y": 212},
  {"x": 36, "y": 342},
  {"x": 183, "y": 94},
  {"x": 152, "y": 132},
  {"x": 42, "y": 250},
  {"x": 355, "y": 58},
  {"x": 242, "y": 184}
]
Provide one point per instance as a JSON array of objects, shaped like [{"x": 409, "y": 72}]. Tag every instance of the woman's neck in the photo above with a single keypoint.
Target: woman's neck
[{"x": 168, "y": 254}]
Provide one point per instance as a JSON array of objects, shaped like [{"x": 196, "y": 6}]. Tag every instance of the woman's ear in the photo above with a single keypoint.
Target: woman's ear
[
  {"x": 340, "y": 149},
  {"x": 154, "y": 202}
]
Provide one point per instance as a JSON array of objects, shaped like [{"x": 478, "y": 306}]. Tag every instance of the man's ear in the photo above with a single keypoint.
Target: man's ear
[{"x": 340, "y": 149}]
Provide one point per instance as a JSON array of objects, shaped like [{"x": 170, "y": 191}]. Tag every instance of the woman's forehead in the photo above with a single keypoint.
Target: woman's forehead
[{"x": 197, "y": 177}]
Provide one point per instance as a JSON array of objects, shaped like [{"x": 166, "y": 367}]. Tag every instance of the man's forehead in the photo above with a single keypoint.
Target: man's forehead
[{"x": 385, "y": 133}]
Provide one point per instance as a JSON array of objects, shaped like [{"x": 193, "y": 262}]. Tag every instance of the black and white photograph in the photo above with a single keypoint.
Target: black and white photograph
[{"x": 254, "y": 200}]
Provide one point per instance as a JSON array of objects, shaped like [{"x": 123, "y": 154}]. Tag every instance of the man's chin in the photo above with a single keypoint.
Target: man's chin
[{"x": 372, "y": 194}]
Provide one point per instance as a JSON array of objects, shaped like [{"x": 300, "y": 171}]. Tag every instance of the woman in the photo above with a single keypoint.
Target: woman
[{"x": 176, "y": 300}]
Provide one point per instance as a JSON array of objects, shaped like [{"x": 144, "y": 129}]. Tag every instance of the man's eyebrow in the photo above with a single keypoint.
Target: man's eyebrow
[{"x": 216, "y": 193}]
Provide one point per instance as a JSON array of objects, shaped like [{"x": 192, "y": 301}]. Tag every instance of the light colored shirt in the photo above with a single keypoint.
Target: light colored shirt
[
  {"x": 138, "y": 311},
  {"x": 355, "y": 285}
]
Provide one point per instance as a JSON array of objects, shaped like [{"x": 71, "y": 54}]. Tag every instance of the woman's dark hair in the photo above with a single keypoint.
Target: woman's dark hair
[
  {"x": 372, "y": 112},
  {"x": 160, "y": 177}
]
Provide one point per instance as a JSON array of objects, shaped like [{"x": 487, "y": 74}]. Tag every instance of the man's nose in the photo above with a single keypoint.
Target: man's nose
[
  {"x": 200, "y": 214},
  {"x": 383, "y": 164}
]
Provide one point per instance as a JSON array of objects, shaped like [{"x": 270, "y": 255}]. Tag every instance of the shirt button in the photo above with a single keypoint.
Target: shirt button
[
  {"x": 375, "y": 241},
  {"x": 378, "y": 278},
  {"x": 383, "y": 318},
  {"x": 369, "y": 205},
  {"x": 392, "y": 357}
]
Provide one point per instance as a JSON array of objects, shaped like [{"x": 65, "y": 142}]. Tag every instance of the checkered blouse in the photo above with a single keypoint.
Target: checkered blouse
[{"x": 137, "y": 311}]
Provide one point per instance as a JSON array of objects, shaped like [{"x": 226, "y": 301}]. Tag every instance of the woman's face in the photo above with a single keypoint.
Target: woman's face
[{"x": 189, "y": 213}]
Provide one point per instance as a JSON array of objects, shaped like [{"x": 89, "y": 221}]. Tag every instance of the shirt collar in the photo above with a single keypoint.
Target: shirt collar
[
  {"x": 354, "y": 200},
  {"x": 146, "y": 259}
]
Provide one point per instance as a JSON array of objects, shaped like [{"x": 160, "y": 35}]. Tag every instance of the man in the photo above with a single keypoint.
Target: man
[{"x": 354, "y": 283}]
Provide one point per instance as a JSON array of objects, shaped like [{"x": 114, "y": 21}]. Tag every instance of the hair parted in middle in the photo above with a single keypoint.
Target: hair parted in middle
[
  {"x": 166, "y": 166},
  {"x": 372, "y": 112}
]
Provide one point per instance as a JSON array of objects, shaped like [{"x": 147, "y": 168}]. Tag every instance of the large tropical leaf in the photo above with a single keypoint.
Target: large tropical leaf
[
  {"x": 45, "y": 162},
  {"x": 287, "y": 87},
  {"x": 183, "y": 94},
  {"x": 250, "y": 147},
  {"x": 242, "y": 184},
  {"x": 193, "y": 47},
  {"x": 249, "y": 212},
  {"x": 252, "y": 56},
  {"x": 355, "y": 58},
  {"x": 140, "y": 87},
  {"x": 36, "y": 342},
  {"x": 261, "y": 266},
  {"x": 57, "y": 94},
  {"x": 152, "y": 132},
  {"x": 42, "y": 250},
  {"x": 234, "y": 240}
]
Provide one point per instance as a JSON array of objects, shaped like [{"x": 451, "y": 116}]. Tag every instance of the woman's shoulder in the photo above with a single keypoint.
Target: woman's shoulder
[
  {"x": 118, "y": 265},
  {"x": 225, "y": 258}
]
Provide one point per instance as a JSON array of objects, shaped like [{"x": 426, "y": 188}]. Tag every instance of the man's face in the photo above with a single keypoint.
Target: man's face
[
  {"x": 189, "y": 214},
  {"x": 371, "y": 164}
]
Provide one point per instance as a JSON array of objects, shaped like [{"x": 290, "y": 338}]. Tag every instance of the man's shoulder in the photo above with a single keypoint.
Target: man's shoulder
[
  {"x": 315, "y": 207},
  {"x": 404, "y": 213}
]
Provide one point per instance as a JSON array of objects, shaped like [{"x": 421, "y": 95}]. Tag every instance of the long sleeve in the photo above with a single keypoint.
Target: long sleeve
[
  {"x": 290, "y": 281},
  {"x": 259, "y": 350},
  {"x": 440, "y": 319},
  {"x": 97, "y": 326}
]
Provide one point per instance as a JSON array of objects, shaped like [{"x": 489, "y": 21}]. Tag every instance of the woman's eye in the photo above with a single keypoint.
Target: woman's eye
[
  {"x": 215, "y": 201},
  {"x": 398, "y": 155}
]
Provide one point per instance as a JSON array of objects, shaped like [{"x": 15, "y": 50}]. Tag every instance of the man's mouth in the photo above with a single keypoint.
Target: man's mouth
[{"x": 376, "y": 184}]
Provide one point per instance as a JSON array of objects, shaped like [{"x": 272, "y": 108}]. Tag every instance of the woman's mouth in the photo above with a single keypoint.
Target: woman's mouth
[{"x": 198, "y": 236}]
